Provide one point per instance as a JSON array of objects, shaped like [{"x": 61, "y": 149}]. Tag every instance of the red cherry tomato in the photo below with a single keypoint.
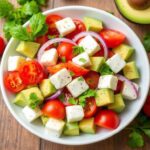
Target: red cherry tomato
[
  {"x": 119, "y": 87},
  {"x": 31, "y": 72},
  {"x": 13, "y": 82},
  {"x": 50, "y": 20},
  {"x": 90, "y": 108},
  {"x": 2, "y": 45},
  {"x": 146, "y": 107},
  {"x": 77, "y": 70},
  {"x": 42, "y": 39},
  {"x": 92, "y": 79},
  {"x": 112, "y": 38},
  {"x": 107, "y": 119},
  {"x": 80, "y": 27},
  {"x": 55, "y": 109},
  {"x": 65, "y": 50}
]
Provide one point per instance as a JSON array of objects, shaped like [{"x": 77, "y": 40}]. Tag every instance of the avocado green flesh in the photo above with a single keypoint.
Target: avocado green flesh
[
  {"x": 44, "y": 119},
  {"x": 134, "y": 15},
  {"x": 20, "y": 100}
]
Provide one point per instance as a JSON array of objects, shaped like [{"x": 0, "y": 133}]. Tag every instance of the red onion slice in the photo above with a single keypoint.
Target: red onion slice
[
  {"x": 95, "y": 35},
  {"x": 122, "y": 78},
  {"x": 50, "y": 42}
]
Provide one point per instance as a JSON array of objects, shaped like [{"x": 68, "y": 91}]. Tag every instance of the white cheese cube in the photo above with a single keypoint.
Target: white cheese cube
[
  {"x": 65, "y": 26},
  {"x": 74, "y": 113},
  {"x": 28, "y": 59},
  {"x": 31, "y": 114},
  {"x": 61, "y": 78},
  {"x": 82, "y": 60},
  {"x": 116, "y": 63},
  {"x": 128, "y": 91},
  {"x": 77, "y": 86},
  {"x": 90, "y": 45},
  {"x": 49, "y": 57},
  {"x": 55, "y": 127},
  {"x": 108, "y": 81},
  {"x": 14, "y": 62}
]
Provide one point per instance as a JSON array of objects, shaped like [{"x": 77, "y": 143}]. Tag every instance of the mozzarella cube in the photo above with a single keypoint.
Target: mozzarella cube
[
  {"x": 90, "y": 45},
  {"x": 77, "y": 86},
  {"x": 82, "y": 60},
  {"x": 108, "y": 81},
  {"x": 74, "y": 113},
  {"x": 14, "y": 62},
  {"x": 55, "y": 127},
  {"x": 49, "y": 57},
  {"x": 128, "y": 91},
  {"x": 65, "y": 26},
  {"x": 31, "y": 114},
  {"x": 116, "y": 63},
  {"x": 61, "y": 78}
]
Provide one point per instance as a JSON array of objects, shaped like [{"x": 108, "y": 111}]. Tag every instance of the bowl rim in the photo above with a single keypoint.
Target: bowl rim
[{"x": 93, "y": 140}]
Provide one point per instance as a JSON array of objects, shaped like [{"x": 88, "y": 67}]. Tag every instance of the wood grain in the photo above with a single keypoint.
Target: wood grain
[{"x": 15, "y": 137}]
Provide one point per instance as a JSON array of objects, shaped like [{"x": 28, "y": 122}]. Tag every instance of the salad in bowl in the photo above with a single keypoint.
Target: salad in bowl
[{"x": 76, "y": 75}]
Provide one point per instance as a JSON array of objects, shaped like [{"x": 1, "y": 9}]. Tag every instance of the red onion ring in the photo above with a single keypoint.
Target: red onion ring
[
  {"x": 50, "y": 42},
  {"x": 97, "y": 36}
]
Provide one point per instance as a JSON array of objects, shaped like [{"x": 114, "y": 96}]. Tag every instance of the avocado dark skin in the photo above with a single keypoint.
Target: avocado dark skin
[{"x": 139, "y": 4}]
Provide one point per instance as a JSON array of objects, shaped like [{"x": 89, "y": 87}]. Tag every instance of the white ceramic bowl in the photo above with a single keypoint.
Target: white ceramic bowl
[{"x": 132, "y": 108}]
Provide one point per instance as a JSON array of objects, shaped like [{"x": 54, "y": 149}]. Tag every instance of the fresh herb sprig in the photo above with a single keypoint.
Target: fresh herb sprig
[
  {"x": 33, "y": 101},
  {"x": 77, "y": 50}
]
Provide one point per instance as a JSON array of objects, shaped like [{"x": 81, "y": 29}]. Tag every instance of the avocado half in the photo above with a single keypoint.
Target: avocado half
[{"x": 132, "y": 14}]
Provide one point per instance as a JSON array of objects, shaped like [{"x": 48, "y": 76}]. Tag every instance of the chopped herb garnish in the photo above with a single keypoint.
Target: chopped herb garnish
[
  {"x": 72, "y": 101},
  {"x": 63, "y": 59},
  {"x": 77, "y": 50},
  {"x": 82, "y": 60},
  {"x": 34, "y": 101},
  {"x": 80, "y": 79},
  {"x": 72, "y": 73},
  {"x": 105, "y": 70},
  {"x": 62, "y": 97}
]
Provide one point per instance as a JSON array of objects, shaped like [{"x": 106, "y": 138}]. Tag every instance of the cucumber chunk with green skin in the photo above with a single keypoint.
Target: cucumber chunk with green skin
[
  {"x": 47, "y": 88},
  {"x": 118, "y": 104},
  {"x": 20, "y": 100},
  {"x": 44, "y": 119},
  {"x": 104, "y": 97},
  {"x": 96, "y": 62},
  {"x": 71, "y": 129},
  {"x": 130, "y": 71},
  {"x": 28, "y": 49},
  {"x": 87, "y": 125},
  {"x": 93, "y": 24},
  {"x": 124, "y": 50}
]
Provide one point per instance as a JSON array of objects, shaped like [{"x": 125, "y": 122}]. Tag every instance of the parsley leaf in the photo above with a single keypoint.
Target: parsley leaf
[
  {"x": 105, "y": 70},
  {"x": 33, "y": 101},
  {"x": 41, "y": 2},
  {"x": 77, "y": 50},
  {"x": 82, "y": 60},
  {"x": 146, "y": 42},
  {"x": 72, "y": 73},
  {"x": 62, "y": 97},
  {"x": 63, "y": 59},
  {"x": 80, "y": 79},
  {"x": 72, "y": 101}
]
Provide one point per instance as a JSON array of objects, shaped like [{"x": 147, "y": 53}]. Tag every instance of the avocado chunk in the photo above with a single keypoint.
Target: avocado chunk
[
  {"x": 104, "y": 97},
  {"x": 28, "y": 49},
  {"x": 20, "y": 100},
  {"x": 118, "y": 104},
  {"x": 47, "y": 88},
  {"x": 71, "y": 129},
  {"x": 96, "y": 63},
  {"x": 87, "y": 125},
  {"x": 93, "y": 24},
  {"x": 130, "y": 71},
  {"x": 132, "y": 14},
  {"x": 124, "y": 50},
  {"x": 44, "y": 119}
]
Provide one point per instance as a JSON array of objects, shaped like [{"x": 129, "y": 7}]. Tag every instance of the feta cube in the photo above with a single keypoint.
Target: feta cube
[
  {"x": 108, "y": 81},
  {"x": 116, "y": 63},
  {"x": 61, "y": 78},
  {"x": 14, "y": 62},
  {"x": 65, "y": 26},
  {"x": 77, "y": 86},
  {"x": 55, "y": 127},
  {"x": 90, "y": 45},
  {"x": 82, "y": 60},
  {"x": 74, "y": 113},
  {"x": 31, "y": 114},
  {"x": 128, "y": 92},
  {"x": 49, "y": 57}
]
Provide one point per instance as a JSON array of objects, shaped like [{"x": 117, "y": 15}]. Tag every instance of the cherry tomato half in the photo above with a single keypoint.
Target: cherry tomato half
[
  {"x": 31, "y": 72},
  {"x": 112, "y": 38},
  {"x": 146, "y": 107},
  {"x": 50, "y": 20},
  {"x": 90, "y": 108},
  {"x": 107, "y": 119},
  {"x": 2, "y": 45},
  {"x": 42, "y": 39},
  {"x": 92, "y": 79},
  {"x": 54, "y": 108},
  {"x": 13, "y": 82}
]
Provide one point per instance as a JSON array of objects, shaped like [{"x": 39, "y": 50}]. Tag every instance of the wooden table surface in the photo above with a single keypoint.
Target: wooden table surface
[{"x": 14, "y": 137}]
